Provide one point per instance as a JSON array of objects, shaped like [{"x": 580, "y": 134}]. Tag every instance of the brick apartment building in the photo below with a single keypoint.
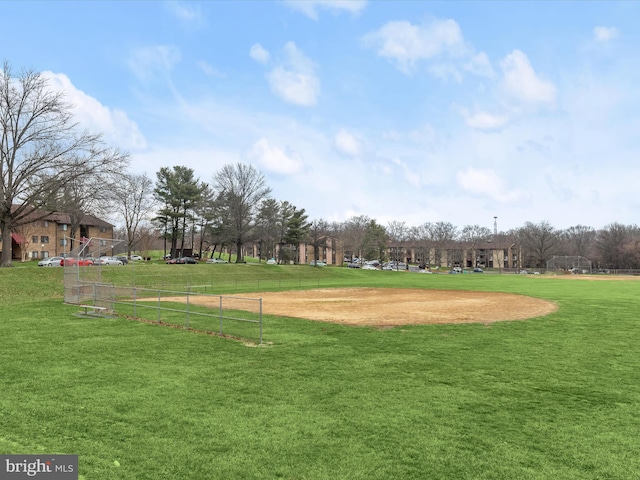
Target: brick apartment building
[{"x": 51, "y": 236}]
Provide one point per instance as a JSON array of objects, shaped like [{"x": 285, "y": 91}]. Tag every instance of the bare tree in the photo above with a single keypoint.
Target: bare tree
[
  {"x": 42, "y": 151},
  {"x": 579, "y": 239},
  {"x": 474, "y": 236},
  {"x": 318, "y": 230},
  {"x": 135, "y": 204},
  {"x": 398, "y": 234},
  {"x": 420, "y": 238},
  {"x": 353, "y": 235},
  {"x": 613, "y": 244},
  {"x": 243, "y": 188},
  {"x": 148, "y": 238},
  {"x": 441, "y": 234},
  {"x": 540, "y": 242}
]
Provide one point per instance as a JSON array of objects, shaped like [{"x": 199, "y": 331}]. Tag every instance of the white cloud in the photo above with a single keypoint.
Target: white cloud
[
  {"x": 274, "y": 159},
  {"x": 117, "y": 129},
  {"x": 259, "y": 53},
  {"x": 187, "y": 13},
  {"x": 295, "y": 81},
  {"x": 406, "y": 44},
  {"x": 407, "y": 172},
  {"x": 147, "y": 62},
  {"x": 209, "y": 70},
  {"x": 310, "y": 7},
  {"x": 486, "y": 183},
  {"x": 521, "y": 83},
  {"x": 480, "y": 65},
  {"x": 604, "y": 34},
  {"x": 486, "y": 121},
  {"x": 346, "y": 143}
]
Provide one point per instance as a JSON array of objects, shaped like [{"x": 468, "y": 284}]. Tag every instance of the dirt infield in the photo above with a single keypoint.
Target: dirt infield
[{"x": 391, "y": 307}]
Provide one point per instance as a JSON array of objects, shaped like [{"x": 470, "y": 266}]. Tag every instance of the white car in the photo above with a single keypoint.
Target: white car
[
  {"x": 271, "y": 261},
  {"x": 368, "y": 267},
  {"x": 50, "y": 262},
  {"x": 110, "y": 261},
  {"x": 216, "y": 260},
  {"x": 135, "y": 257}
]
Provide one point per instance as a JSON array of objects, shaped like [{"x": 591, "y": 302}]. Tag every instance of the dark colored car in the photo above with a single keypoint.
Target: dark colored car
[
  {"x": 477, "y": 270},
  {"x": 185, "y": 260}
]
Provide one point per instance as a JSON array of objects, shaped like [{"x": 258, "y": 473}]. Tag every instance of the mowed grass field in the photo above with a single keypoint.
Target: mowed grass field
[{"x": 556, "y": 397}]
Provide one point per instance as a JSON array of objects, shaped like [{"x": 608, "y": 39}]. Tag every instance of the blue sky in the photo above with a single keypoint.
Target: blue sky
[{"x": 409, "y": 111}]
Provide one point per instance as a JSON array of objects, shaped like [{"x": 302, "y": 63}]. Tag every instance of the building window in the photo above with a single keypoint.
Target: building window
[
  {"x": 44, "y": 254},
  {"x": 64, "y": 226},
  {"x": 34, "y": 239},
  {"x": 44, "y": 239},
  {"x": 103, "y": 243},
  {"x": 34, "y": 254},
  {"x": 63, "y": 242},
  {"x": 46, "y": 224},
  {"x": 103, "y": 229}
]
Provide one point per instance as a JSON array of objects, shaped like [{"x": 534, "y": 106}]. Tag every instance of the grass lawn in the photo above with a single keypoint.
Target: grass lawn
[{"x": 555, "y": 397}]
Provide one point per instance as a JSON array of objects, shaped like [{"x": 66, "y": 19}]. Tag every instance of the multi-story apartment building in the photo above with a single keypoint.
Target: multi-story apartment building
[{"x": 51, "y": 236}]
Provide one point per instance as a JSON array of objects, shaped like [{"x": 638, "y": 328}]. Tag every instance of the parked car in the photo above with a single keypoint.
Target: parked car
[
  {"x": 135, "y": 257},
  {"x": 317, "y": 263},
  {"x": 353, "y": 265},
  {"x": 81, "y": 262},
  {"x": 395, "y": 266},
  {"x": 478, "y": 270},
  {"x": 186, "y": 260},
  {"x": 368, "y": 266},
  {"x": 110, "y": 261},
  {"x": 271, "y": 261},
  {"x": 123, "y": 259},
  {"x": 216, "y": 260},
  {"x": 50, "y": 262}
]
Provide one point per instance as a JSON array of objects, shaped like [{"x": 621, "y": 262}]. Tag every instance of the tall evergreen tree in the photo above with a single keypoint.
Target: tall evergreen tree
[{"x": 178, "y": 191}]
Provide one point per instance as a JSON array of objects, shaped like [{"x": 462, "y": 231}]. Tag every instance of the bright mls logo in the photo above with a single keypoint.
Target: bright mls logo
[{"x": 46, "y": 467}]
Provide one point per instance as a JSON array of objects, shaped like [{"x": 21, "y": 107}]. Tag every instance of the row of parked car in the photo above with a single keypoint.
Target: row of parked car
[
  {"x": 191, "y": 261},
  {"x": 86, "y": 262}
]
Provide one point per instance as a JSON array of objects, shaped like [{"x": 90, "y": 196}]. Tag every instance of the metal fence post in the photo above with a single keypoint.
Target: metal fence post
[
  {"x": 220, "y": 297},
  {"x": 260, "y": 320},
  {"x": 158, "y": 307},
  {"x": 187, "y": 312}
]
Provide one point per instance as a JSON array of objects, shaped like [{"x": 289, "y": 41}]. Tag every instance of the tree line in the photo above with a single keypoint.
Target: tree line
[
  {"x": 49, "y": 163},
  {"x": 236, "y": 209}
]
